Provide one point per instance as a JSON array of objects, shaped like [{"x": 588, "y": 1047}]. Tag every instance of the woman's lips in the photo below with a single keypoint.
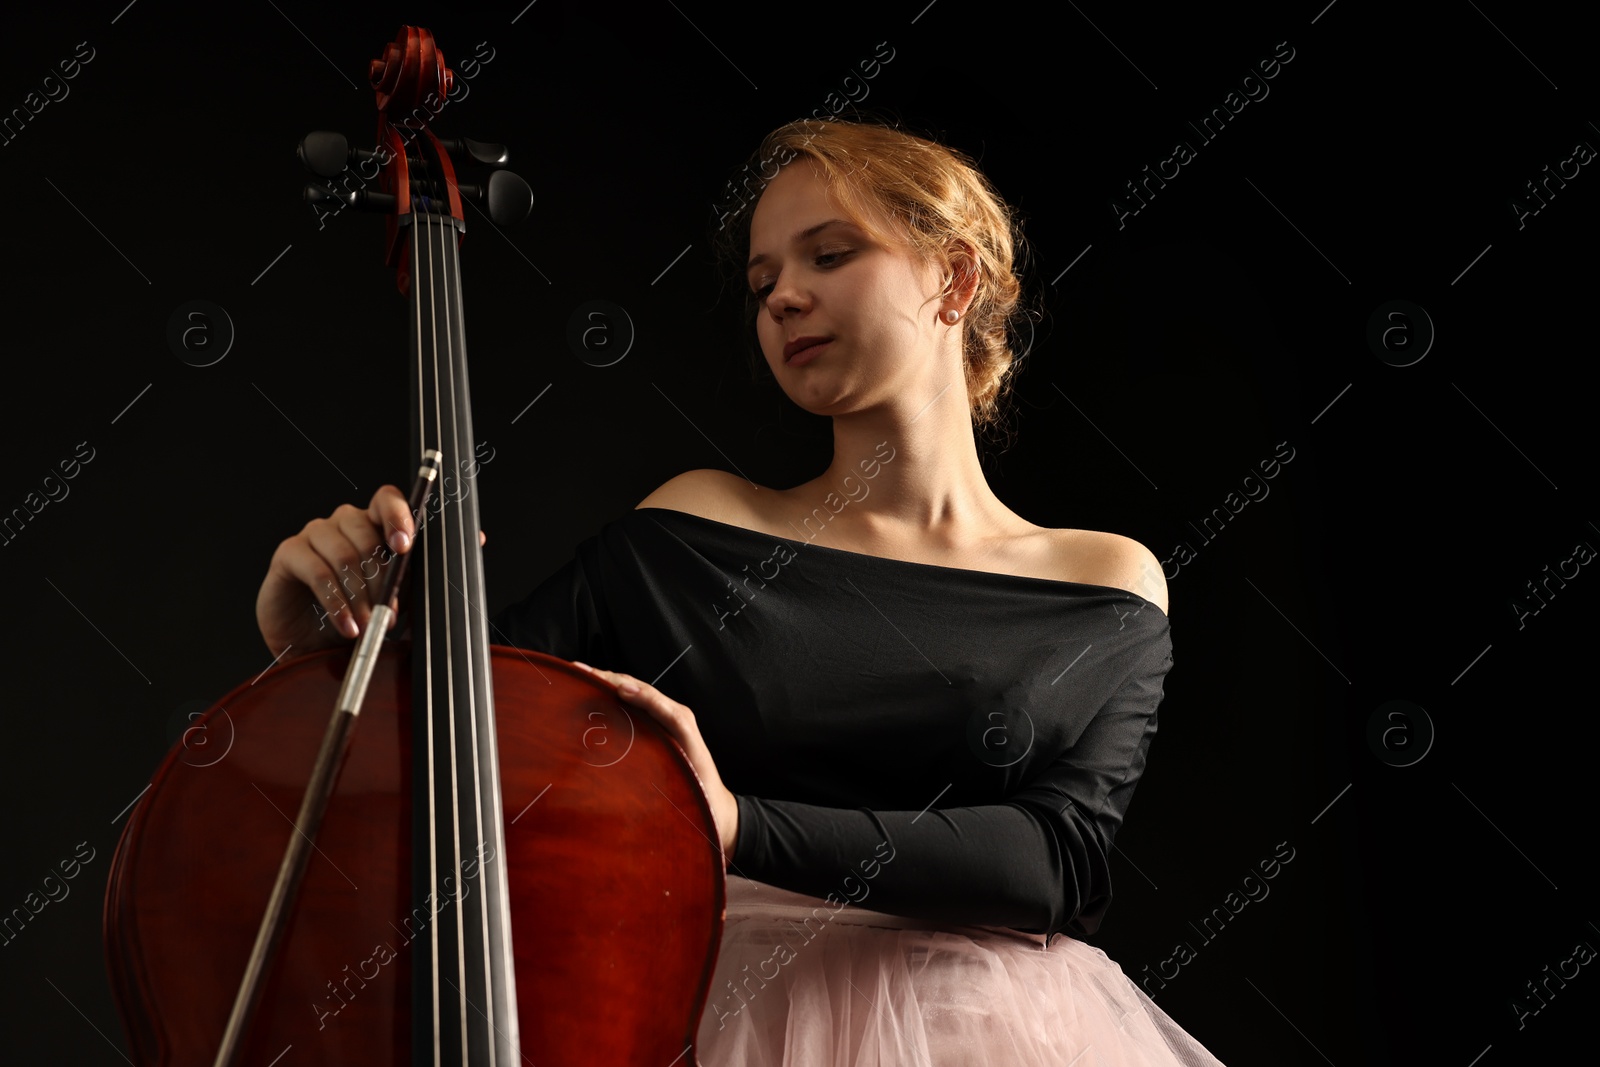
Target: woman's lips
[{"x": 806, "y": 355}]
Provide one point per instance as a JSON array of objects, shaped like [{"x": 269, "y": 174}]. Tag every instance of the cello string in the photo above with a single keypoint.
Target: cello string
[
  {"x": 479, "y": 728},
  {"x": 425, "y": 640},
  {"x": 440, "y": 239},
  {"x": 446, "y": 629}
]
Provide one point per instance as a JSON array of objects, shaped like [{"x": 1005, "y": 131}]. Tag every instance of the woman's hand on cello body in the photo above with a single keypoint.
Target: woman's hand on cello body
[
  {"x": 321, "y": 583},
  {"x": 679, "y": 722}
]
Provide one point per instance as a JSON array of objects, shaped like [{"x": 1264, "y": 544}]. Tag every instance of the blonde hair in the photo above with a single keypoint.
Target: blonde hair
[{"x": 940, "y": 204}]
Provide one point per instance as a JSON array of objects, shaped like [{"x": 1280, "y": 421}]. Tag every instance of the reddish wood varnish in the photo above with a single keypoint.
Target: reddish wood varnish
[{"x": 617, "y": 891}]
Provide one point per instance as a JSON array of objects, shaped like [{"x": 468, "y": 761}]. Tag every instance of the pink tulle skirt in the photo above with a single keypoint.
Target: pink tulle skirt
[{"x": 801, "y": 984}]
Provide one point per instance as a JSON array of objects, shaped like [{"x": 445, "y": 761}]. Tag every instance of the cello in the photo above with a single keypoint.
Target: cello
[{"x": 510, "y": 866}]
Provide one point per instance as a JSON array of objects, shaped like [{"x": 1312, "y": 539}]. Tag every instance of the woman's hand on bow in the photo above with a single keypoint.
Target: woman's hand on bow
[{"x": 680, "y": 724}]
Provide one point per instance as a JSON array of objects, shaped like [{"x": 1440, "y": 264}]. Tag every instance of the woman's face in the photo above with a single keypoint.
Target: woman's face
[{"x": 818, "y": 275}]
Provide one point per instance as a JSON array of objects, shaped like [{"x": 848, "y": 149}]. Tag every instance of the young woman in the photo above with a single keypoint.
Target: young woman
[{"x": 918, "y": 717}]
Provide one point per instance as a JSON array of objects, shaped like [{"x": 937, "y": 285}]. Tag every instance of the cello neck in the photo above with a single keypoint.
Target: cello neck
[{"x": 465, "y": 1005}]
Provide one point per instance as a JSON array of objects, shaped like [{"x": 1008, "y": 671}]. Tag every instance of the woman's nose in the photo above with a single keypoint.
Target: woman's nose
[{"x": 786, "y": 298}]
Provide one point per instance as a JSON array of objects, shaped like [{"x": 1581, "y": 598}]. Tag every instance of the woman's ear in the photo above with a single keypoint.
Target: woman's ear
[{"x": 961, "y": 274}]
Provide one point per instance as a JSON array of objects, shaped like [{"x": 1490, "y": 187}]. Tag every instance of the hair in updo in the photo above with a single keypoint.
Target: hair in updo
[{"x": 939, "y": 205}]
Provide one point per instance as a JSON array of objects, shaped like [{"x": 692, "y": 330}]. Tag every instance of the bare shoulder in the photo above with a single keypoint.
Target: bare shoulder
[
  {"x": 1109, "y": 559},
  {"x": 708, "y": 493}
]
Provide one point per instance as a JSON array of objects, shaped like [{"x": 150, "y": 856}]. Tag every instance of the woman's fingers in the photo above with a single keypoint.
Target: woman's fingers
[
  {"x": 680, "y": 724},
  {"x": 329, "y": 565},
  {"x": 336, "y": 565},
  {"x": 391, "y": 513}
]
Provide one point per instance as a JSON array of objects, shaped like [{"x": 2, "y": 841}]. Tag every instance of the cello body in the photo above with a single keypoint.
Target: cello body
[{"x": 617, "y": 895}]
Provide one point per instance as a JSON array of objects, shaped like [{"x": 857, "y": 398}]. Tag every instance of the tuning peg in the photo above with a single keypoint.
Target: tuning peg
[
  {"x": 510, "y": 198},
  {"x": 489, "y": 155},
  {"x": 507, "y": 198},
  {"x": 327, "y": 154},
  {"x": 361, "y": 199},
  {"x": 324, "y": 153},
  {"x": 317, "y": 193}
]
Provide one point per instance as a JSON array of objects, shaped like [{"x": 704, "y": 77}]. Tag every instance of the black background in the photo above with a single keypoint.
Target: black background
[{"x": 1178, "y": 350}]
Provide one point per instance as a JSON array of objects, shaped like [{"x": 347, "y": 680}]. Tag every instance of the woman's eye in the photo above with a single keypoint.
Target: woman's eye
[{"x": 822, "y": 259}]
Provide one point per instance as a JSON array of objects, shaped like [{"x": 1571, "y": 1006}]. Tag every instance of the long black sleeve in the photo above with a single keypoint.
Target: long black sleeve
[
  {"x": 560, "y": 617},
  {"x": 1037, "y": 862}
]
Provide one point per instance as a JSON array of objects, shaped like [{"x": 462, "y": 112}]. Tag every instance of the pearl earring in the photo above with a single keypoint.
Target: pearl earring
[{"x": 951, "y": 316}]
